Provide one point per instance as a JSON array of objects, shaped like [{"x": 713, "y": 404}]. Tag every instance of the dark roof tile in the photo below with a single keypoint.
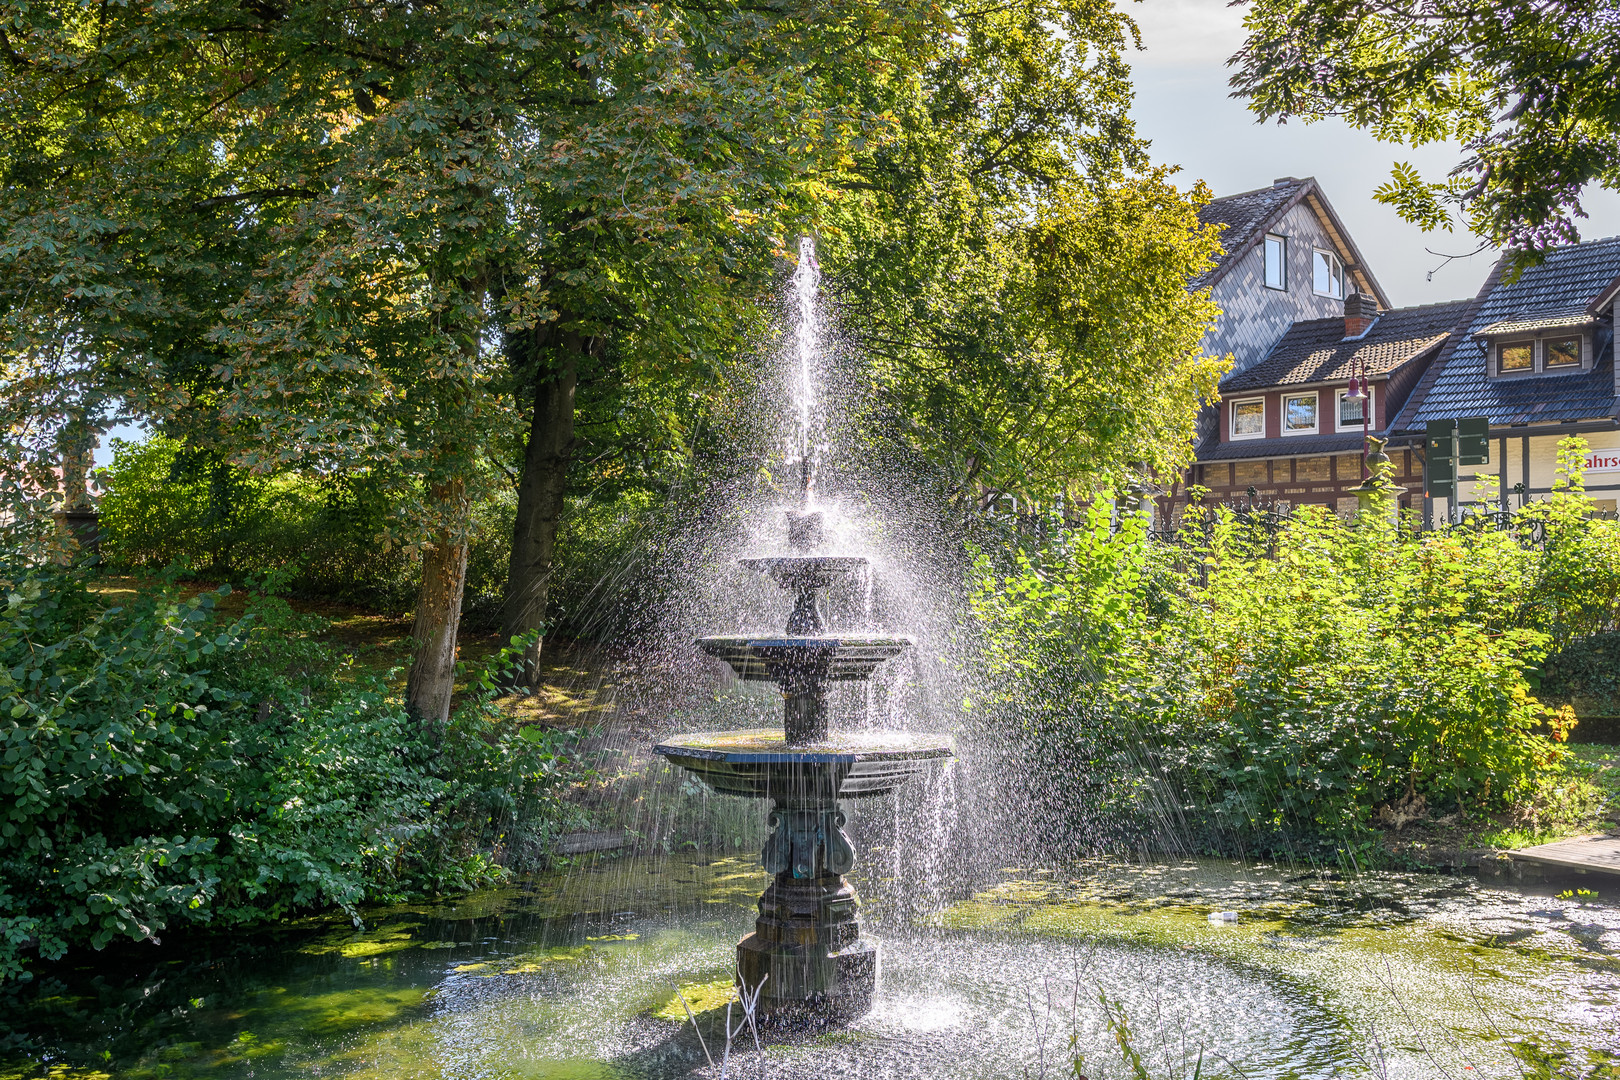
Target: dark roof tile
[
  {"x": 1569, "y": 278},
  {"x": 1316, "y": 351}
]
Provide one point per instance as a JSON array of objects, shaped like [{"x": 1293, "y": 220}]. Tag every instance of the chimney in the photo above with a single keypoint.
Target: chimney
[
  {"x": 1359, "y": 313},
  {"x": 1282, "y": 180}
]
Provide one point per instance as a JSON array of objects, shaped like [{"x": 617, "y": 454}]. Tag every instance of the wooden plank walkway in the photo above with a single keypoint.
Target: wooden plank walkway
[{"x": 1591, "y": 853}]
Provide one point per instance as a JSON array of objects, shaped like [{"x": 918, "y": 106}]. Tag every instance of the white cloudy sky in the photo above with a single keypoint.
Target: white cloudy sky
[{"x": 1183, "y": 107}]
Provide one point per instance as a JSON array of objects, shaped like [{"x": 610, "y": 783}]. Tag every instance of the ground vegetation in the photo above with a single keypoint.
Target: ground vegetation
[
  {"x": 1296, "y": 689},
  {"x": 163, "y": 766}
]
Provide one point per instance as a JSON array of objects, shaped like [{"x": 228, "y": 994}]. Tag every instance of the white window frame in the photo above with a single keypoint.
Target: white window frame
[
  {"x": 1334, "y": 263},
  {"x": 1367, "y": 405},
  {"x": 1283, "y": 419},
  {"x": 1282, "y": 261},
  {"x": 1231, "y": 418}
]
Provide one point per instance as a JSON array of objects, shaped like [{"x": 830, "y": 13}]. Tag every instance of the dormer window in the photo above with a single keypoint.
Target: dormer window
[
  {"x": 1562, "y": 352},
  {"x": 1299, "y": 414},
  {"x": 1276, "y": 262},
  {"x": 1550, "y": 344},
  {"x": 1327, "y": 274},
  {"x": 1353, "y": 411},
  {"x": 1515, "y": 356}
]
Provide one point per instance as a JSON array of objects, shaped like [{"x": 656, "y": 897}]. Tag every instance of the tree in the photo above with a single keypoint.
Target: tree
[
  {"x": 306, "y": 231},
  {"x": 1018, "y": 272},
  {"x": 1530, "y": 90}
]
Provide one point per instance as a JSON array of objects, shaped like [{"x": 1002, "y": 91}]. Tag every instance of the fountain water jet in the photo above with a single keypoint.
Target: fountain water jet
[{"x": 806, "y": 947}]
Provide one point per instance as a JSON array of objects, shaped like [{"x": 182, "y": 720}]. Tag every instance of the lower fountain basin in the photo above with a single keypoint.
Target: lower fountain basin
[{"x": 759, "y": 762}]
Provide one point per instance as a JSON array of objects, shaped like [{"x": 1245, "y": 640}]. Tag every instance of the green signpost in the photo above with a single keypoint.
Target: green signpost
[
  {"x": 1440, "y": 458},
  {"x": 1474, "y": 440},
  {"x": 1451, "y": 443}
]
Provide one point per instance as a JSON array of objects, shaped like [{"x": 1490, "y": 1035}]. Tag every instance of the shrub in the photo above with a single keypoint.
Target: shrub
[
  {"x": 1256, "y": 690},
  {"x": 1586, "y": 673},
  {"x": 325, "y": 536},
  {"x": 158, "y": 766}
]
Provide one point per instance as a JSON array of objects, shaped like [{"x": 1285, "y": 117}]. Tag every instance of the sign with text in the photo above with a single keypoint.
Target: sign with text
[{"x": 1602, "y": 461}]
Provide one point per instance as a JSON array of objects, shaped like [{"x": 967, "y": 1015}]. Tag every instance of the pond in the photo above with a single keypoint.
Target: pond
[{"x": 574, "y": 975}]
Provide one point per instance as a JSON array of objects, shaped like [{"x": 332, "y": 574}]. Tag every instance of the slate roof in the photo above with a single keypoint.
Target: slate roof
[
  {"x": 1316, "y": 351},
  {"x": 1246, "y": 215},
  {"x": 1286, "y": 446},
  {"x": 1568, "y": 280}
]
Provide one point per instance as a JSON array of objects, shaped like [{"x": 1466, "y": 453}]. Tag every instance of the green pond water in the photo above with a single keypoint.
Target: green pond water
[{"x": 573, "y": 975}]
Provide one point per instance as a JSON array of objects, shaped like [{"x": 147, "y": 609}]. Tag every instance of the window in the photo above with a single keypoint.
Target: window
[
  {"x": 1276, "y": 262},
  {"x": 1562, "y": 352},
  {"x": 1248, "y": 419},
  {"x": 1327, "y": 274},
  {"x": 1299, "y": 414},
  {"x": 1353, "y": 410},
  {"x": 1520, "y": 356}
]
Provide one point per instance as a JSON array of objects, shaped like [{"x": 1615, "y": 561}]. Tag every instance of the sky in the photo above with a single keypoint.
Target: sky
[{"x": 1183, "y": 108}]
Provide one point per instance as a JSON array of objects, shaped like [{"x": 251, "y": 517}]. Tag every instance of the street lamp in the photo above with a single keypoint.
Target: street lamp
[{"x": 1361, "y": 390}]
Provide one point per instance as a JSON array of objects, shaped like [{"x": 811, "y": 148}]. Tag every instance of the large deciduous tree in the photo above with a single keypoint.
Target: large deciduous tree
[
  {"x": 1530, "y": 89},
  {"x": 336, "y": 237},
  {"x": 1017, "y": 270}
]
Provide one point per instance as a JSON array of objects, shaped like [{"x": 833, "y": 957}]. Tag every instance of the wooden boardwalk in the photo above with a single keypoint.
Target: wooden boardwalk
[{"x": 1599, "y": 854}]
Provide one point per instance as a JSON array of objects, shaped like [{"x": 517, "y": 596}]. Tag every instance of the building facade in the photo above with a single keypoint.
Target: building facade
[
  {"x": 1536, "y": 361},
  {"x": 1286, "y": 258},
  {"x": 1292, "y": 427}
]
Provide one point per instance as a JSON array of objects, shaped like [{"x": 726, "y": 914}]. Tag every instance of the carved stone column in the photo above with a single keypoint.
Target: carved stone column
[{"x": 807, "y": 938}]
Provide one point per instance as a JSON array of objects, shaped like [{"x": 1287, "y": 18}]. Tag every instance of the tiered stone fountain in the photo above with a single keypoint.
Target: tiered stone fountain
[{"x": 806, "y": 946}]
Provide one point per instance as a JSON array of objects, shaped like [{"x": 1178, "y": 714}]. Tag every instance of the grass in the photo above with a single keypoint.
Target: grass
[{"x": 1600, "y": 762}]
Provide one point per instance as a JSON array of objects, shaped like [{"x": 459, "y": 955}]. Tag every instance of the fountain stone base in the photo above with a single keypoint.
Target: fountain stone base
[
  {"x": 807, "y": 950},
  {"x": 807, "y": 944}
]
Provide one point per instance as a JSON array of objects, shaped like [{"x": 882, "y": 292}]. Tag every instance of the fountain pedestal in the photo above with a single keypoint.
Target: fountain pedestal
[
  {"x": 806, "y": 946},
  {"x": 808, "y": 951},
  {"x": 807, "y": 938}
]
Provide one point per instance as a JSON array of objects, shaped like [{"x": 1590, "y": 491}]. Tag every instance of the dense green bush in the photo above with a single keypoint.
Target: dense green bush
[
  {"x": 324, "y": 536},
  {"x": 1245, "y": 689},
  {"x": 1586, "y": 674},
  {"x": 161, "y": 766}
]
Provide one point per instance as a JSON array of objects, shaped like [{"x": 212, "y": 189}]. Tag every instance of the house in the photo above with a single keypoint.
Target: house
[
  {"x": 1292, "y": 427},
  {"x": 1535, "y": 364},
  {"x": 1301, "y": 314},
  {"x": 1286, "y": 258}
]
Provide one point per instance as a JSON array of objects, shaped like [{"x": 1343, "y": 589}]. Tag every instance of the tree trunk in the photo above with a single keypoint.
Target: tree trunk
[
  {"x": 541, "y": 488},
  {"x": 438, "y": 612}
]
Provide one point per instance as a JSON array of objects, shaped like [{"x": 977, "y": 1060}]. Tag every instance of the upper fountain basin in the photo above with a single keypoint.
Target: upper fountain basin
[
  {"x": 805, "y": 571},
  {"x": 845, "y": 765},
  {"x": 824, "y": 658}
]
